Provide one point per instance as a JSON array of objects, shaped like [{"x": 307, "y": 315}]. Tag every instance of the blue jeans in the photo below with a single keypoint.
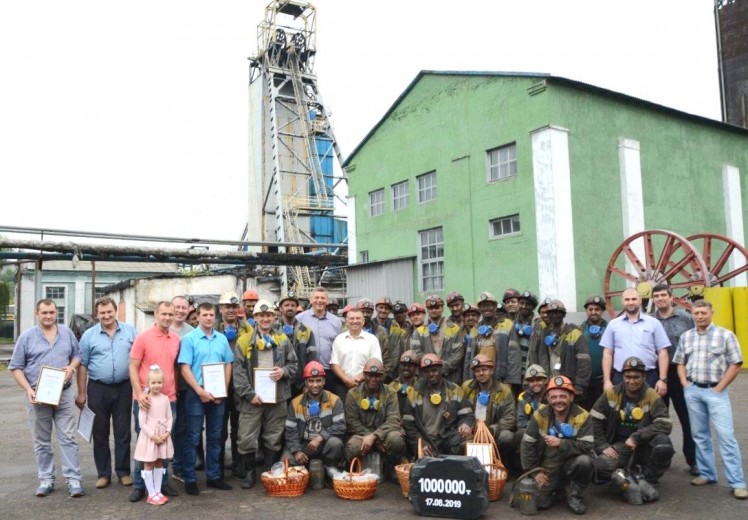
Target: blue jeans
[
  {"x": 213, "y": 416},
  {"x": 179, "y": 433},
  {"x": 138, "y": 466},
  {"x": 705, "y": 406}
]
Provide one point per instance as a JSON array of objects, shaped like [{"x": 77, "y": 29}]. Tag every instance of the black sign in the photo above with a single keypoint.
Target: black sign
[{"x": 449, "y": 486}]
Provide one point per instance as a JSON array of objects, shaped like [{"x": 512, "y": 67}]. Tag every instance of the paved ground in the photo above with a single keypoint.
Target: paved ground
[{"x": 18, "y": 481}]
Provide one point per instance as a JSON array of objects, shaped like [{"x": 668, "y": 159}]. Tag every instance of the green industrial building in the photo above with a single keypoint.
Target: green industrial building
[{"x": 478, "y": 181}]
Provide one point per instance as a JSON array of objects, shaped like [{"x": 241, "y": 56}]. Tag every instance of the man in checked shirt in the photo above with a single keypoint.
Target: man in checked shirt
[{"x": 709, "y": 359}]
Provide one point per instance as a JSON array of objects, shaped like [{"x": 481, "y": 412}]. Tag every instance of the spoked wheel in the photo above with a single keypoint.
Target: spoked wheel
[
  {"x": 651, "y": 257},
  {"x": 716, "y": 251}
]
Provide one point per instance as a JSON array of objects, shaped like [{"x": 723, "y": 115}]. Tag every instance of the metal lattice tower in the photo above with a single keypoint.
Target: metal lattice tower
[{"x": 294, "y": 191}]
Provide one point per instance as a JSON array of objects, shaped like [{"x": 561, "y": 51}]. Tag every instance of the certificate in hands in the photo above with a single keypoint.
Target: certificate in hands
[
  {"x": 214, "y": 379},
  {"x": 50, "y": 384},
  {"x": 265, "y": 387}
]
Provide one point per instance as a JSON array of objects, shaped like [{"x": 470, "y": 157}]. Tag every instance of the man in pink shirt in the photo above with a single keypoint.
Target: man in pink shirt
[{"x": 155, "y": 346}]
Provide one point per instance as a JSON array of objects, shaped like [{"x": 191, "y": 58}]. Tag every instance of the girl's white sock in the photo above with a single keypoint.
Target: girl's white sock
[
  {"x": 158, "y": 476},
  {"x": 148, "y": 479}
]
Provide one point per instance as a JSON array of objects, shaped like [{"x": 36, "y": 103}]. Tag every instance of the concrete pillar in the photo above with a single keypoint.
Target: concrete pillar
[
  {"x": 733, "y": 203},
  {"x": 632, "y": 199},
  {"x": 553, "y": 215}
]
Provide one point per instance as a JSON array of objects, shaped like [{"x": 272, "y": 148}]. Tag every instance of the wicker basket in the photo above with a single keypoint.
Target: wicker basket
[
  {"x": 349, "y": 490},
  {"x": 497, "y": 473},
  {"x": 403, "y": 472},
  {"x": 497, "y": 477},
  {"x": 292, "y": 484}
]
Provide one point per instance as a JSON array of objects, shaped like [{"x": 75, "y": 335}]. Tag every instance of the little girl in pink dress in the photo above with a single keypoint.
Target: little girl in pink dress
[{"x": 154, "y": 441}]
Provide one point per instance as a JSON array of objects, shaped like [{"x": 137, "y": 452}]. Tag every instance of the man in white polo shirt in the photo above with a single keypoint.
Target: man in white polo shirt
[{"x": 351, "y": 350}]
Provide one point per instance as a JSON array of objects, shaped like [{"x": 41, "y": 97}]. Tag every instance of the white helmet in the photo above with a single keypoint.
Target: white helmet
[{"x": 229, "y": 298}]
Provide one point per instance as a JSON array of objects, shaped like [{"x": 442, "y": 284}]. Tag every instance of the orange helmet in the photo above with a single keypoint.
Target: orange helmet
[
  {"x": 416, "y": 307},
  {"x": 250, "y": 294},
  {"x": 313, "y": 369},
  {"x": 385, "y": 301},
  {"x": 410, "y": 356},
  {"x": 481, "y": 360},
  {"x": 431, "y": 360},
  {"x": 561, "y": 382}
]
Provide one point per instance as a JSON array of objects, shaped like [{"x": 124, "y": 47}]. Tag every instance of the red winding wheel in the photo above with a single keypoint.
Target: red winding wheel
[
  {"x": 655, "y": 256},
  {"x": 716, "y": 251}
]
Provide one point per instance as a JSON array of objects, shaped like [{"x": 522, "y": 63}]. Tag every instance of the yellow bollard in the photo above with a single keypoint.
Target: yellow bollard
[
  {"x": 740, "y": 314},
  {"x": 721, "y": 299}
]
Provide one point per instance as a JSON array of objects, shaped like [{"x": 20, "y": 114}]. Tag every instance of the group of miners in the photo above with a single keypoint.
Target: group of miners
[{"x": 567, "y": 405}]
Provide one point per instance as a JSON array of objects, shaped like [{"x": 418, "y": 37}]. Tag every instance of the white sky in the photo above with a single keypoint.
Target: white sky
[{"x": 131, "y": 116}]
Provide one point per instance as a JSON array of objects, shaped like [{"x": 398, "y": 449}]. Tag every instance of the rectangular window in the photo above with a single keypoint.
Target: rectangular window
[
  {"x": 432, "y": 259},
  {"x": 56, "y": 293},
  {"x": 364, "y": 257},
  {"x": 426, "y": 187},
  {"x": 504, "y": 226},
  {"x": 502, "y": 162},
  {"x": 376, "y": 202},
  {"x": 61, "y": 315},
  {"x": 400, "y": 196}
]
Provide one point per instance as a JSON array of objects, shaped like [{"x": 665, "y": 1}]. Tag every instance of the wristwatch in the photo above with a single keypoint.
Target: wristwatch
[{"x": 663, "y": 379}]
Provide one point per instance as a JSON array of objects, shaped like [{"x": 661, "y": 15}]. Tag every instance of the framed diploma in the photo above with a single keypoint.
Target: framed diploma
[
  {"x": 265, "y": 387},
  {"x": 49, "y": 386},
  {"x": 214, "y": 379}
]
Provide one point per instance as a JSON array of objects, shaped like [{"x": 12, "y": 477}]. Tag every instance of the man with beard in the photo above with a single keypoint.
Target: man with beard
[
  {"x": 315, "y": 423},
  {"x": 436, "y": 412},
  {"x": 372, "y": 327},
  {"x": 631, "y": 420},
  {"x": 400, "y": 313},
  {"x": 440, "y": 337},
  {"x": 522, "y": 330},
  {"x": 373, "y": 419},
  {"x": 676, "y": 322},
  {"x": 396, "y": 338},
  {"x": 593, "y": 328},
  {"x": 300, "y": 336},
  {"x": 557, "y": 446},
  {"x": 492, "y": 402},
  {"x": 265, "y": 349},
  {"x": 635, "y": 333},
  {"x": 561, "y": 349},
  {"x": 455, "y": 302},
  {"x": 249, "y": 299},
  {"x": 530, "y": 400},
  {"x": 493, "y": 341},
  {"x": 468, "y": 332}
]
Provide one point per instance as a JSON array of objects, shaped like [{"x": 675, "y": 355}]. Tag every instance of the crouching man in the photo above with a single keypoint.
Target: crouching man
[
  {"x": 315, "y": 423},
  {"x": 631, "y": 420},
  {"x": 556, "y": 447},
  {"x": 373, "y": 418}
]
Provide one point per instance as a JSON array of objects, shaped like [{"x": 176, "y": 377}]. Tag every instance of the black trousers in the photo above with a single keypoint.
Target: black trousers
[
  {"x": 675, "y": 392},
  {"x": 112, "y": 404}
]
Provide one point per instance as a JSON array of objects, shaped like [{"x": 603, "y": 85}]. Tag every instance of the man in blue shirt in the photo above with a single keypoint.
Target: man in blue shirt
[
  {"x": 51, "y": 345},
  {"x": 104, "y": 381},
  {"x": 634, "y": 333},
  {"x": 204, "y": 345},
  {"x": 325, "y": 326}
]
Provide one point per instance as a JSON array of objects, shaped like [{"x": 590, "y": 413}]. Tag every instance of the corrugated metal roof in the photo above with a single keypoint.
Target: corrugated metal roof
[{"x": 553, "y": 79}]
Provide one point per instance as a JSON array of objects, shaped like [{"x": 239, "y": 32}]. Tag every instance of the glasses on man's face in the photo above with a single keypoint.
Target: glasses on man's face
[{"x": 434, "y": 307}]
